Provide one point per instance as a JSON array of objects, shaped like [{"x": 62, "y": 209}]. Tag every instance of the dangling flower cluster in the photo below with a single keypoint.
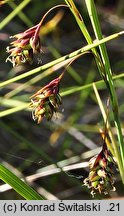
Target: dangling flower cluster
[
  {"x": 27, "y": 43},
  {"x": 46, "y": 101},
  {"x": 101, "y": 175}
]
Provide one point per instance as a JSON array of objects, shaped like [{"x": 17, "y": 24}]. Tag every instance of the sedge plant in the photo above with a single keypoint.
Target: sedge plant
[{"x": 48, "y": 99}]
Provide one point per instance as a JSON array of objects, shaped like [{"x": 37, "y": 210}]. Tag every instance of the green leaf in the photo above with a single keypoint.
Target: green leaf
[
  {"x": 18, "y": 185},
  {"x": 63, "y": 59},
  {"x": 107, "y": 75}
]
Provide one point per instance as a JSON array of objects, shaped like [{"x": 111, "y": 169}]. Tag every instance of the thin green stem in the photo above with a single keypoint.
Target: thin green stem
[
  {"x": 70, "y": 70},
  {"x": 99, "y": 85},
  {"x": 84, "y": 30},
  {"x": 49, "y": 11},
  {"x": 33, "y": 81},
  {"x": 61, "y": 59},
  {"x": 116, "y": 152},
  {"x": 16, "y": 104},
  {"x": 38, "y": 78},
  {"x": 21, "y": 15},
  {"x": 18, "y": 185},
  {"x": 13, "y": 110},
  {"x": 79, "y": 20},
  {"x": 14, "y": 13},
  {"x": 107, "y": 75}
]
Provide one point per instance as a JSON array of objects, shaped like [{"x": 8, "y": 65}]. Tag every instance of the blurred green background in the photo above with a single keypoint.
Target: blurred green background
[{"x": 38, "y": 152}]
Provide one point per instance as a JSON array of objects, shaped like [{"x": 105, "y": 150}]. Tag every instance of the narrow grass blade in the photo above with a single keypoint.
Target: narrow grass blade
[
  {"x": 114, "y": 143},
  {"x": 18, "y": 185},
  {"x": 22, "y": 106},
  {"x": 61, "y": 59},
  {"x": 107, "y": 75},
  {"x": 14, "y": 13},
  {"x": 21, "y": 15}
]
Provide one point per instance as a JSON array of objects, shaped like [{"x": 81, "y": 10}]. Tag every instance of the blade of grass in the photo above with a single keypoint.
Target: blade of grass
[
  {"x": 36, "y": 79},
  {"x": 84, "y": 30},
  {"x": 14, "y": 13},
  {"x": 13, "y": 110},
  {"x": 21, "y": 15},
  {"x": 18, "y": 185},
  {"x": 84, "y": 95},
  {"x": 102, "y": 109},
  {"x": 9, "y": 102},
  {"x": 70, "y": 69},
  {"x": 79, "y": 20},
  {"x": 99, "y": 85},
  {"x": 116, "y": 150},
  {"x": 61, "y": 59},
  {"x": 12, "y": 102},
  {"x": 108, "y": 77}
]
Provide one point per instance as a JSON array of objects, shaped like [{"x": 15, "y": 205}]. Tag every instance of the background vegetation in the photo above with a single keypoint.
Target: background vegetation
[{"x": 53, "y": 156}]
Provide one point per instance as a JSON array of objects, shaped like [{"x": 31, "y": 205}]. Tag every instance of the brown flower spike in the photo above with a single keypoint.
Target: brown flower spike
[
  {"x": 101, "y": 175},
  {"x": 27, "y": 43},
  {"x": 46, "y": 101}
]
